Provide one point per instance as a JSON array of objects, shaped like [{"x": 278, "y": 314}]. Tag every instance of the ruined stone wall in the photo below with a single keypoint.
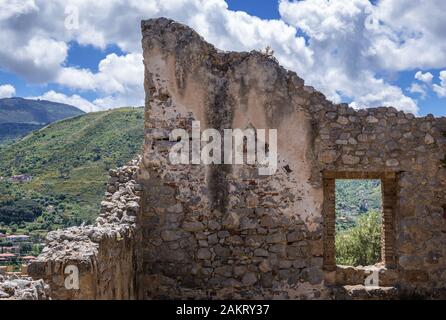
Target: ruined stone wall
[
  {"x": 224, "y": 227},
  {"x": 225, "y": 231},
  {"x": 104, "y": 253}
]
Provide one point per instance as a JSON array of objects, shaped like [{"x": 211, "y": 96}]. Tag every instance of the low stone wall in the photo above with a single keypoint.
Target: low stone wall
[
  {"x": 104, "y": 254},
  {"x": 348, "y": 275}
]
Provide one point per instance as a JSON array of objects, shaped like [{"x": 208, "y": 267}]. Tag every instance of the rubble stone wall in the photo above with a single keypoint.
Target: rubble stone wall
[
  {"x": 20, "y": 287},
  {"x": 104, "y": 253}
]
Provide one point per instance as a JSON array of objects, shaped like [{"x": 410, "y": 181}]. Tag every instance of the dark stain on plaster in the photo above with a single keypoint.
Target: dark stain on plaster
[
  {"x": 219, "y": 116},
  {"x": 243, "y": 94}
]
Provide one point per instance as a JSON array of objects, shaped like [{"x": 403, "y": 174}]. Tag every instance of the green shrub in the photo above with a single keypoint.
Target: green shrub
[{"x": 360, "y": 244}]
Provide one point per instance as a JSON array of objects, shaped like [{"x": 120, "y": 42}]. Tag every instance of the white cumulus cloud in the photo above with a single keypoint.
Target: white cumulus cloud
[
  {"x": 343, "y": 37},
  {"x": 440, "y": 89},
  {"x": 7, "y": 91},
  {"x": 340, "y": 47},
  {"x": 424, "y": 77},
  {"x": 418, "y": 89},
  {"x": 117, "y": 74},
  {"x": 412, "y": 34},
  {"x": 119, "y": 80},
  {"x": 74, "y": 100}
]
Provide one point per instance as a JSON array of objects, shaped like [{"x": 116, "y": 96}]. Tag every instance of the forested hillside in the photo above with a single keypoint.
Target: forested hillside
[
  {"x": 358, "y": 222},
  {"x": 68, "y": 163},
  {"x": 355, "y": 198}
]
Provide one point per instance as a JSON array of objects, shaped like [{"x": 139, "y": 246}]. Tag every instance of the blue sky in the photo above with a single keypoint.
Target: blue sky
[
  {"x": 80, "y": 56},
  {"x": 265, "y": 9},
  {"x": 321, "y": 57}
]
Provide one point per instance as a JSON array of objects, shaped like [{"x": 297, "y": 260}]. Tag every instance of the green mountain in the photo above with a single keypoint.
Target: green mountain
[
  {"x": 12, "y": 131},
  {"x": 355, "y": 198},
  {"x": 20, "y": 116},
  {"x": 68, "y": 161}
]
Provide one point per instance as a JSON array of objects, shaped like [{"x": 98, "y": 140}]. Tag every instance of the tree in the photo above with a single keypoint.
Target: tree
[
  {"x": 361, "y": 244},
  {"x": 16, "y": 212}
]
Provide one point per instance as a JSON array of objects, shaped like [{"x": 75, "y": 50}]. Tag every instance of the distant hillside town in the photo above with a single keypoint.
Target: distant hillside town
[{"x": 17, "y": 251}]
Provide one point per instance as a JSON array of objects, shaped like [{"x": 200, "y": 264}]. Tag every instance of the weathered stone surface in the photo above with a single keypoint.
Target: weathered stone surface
[
  {"x": 361, "y": 292},
  {"x": 232, "y": 221},
  {"x": 428, "y": 139},
  {"x": 13, "y": 287},
  {"x": 328, "y": 156},
  {"x": 204, "y": 254},
  {"x": 295, "y": 236},
  {"x": 249, "y": 279},
  {"x": 409, "y": 262},
  {"x": 276, "y": 238},
  {"x": 193, "y": 226},
  {"x": 265, "y": 266},
  {"x": 171, "y": 235},
  {"x": 261, "y": 252},
  {"x": 350, "y": 160},
  {"x": 392, "y": 163},
  {"x": 371, "y": 119}
]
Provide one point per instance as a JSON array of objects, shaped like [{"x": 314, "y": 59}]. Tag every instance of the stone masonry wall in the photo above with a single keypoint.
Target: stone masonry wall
[
  {"x": 225, "y": 231},
  {"x": 383, "y": 140}
]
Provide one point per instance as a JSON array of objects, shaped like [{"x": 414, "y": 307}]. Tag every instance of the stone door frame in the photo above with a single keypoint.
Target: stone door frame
[{"x": 389, "y": 205}]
